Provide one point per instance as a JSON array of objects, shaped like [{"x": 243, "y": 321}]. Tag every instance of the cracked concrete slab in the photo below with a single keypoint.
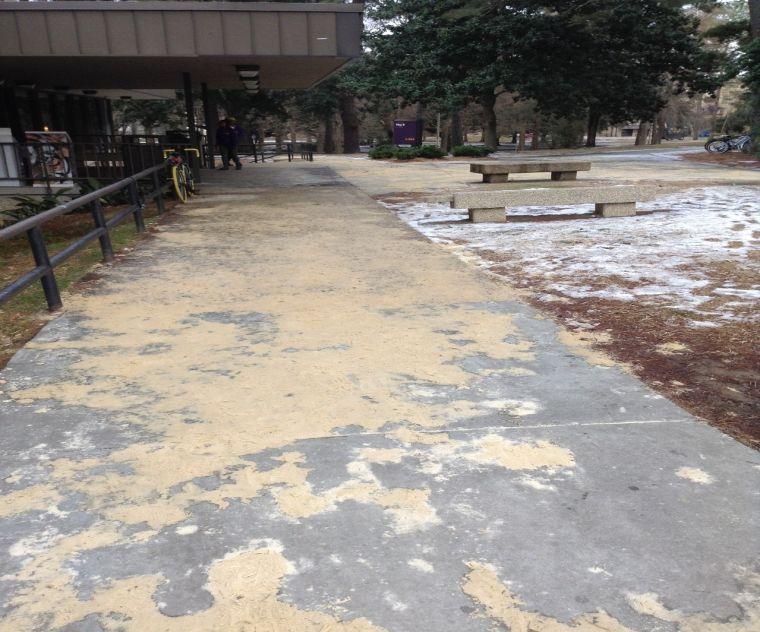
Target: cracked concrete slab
[{"x": 290, "y": 412}]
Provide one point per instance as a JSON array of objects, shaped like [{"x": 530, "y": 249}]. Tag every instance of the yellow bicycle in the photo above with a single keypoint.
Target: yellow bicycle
[{"x": 181, "y": 175}]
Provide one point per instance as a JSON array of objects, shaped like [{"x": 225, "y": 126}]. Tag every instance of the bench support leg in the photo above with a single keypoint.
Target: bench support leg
[
  {"x": 484, "y": 215},
  {"x": 564, "y": 175},
  {"x": 495, "y": 177},
  {"x": 618, "y": 209}
]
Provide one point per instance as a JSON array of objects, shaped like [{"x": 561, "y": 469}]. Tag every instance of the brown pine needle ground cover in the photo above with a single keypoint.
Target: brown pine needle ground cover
[
  {"x": 673, "y": 293},
  {"x": 729, "y": 159}
]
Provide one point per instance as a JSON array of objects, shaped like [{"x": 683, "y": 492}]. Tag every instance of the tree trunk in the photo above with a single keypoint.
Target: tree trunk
[
  {"x": 643, "y": 133},
  {"x": 329, "y": 135},
  {"x": 593, "y": 126},
  {"x": 350, "y": 120},
  {"x": 446, "y": 136},
  {"x": 521, "y": 141},
  {"x": 456, "y": 130},
  {"x": 535, "y": 142},
  {"x": 490, "y": 134},
  {"x": 754, "y": 17},
  {"x": 659, "y": 128},
  {"x": 326, "y": 136}
]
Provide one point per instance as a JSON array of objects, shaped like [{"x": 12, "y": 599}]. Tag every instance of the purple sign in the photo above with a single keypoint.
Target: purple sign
[{"x": 408, "y": 132}]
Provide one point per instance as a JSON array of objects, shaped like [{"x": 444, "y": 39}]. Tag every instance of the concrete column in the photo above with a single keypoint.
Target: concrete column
[
  {"x": 35, "y": 109},
  {"x": 80, "y": 116},
  {"x": 100, "y": 113},
  {"x": 187, "y": 84},
  {"x": 71, "y": 125},
  {"x": 11, "y": 108},
  {"x": 211, "y": 114},
  {"x": 54, "y": 106},
  {"x": 109, "y": 118}
]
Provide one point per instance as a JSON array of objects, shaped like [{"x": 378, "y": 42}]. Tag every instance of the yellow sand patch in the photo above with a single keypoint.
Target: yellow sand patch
[
  {"x": 244, "y": 586},
  {"x": 695, "y": 475},
  {"x": 495, "y": 450},
  {"x": 409, "y": 509},
  {"x": 581, "y": 343},
  {"x": 483, "y": 586}
]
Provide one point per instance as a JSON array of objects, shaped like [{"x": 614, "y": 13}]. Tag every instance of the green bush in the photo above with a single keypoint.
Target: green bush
[
  {"x": 406, "y": 153},
  {"x": 431, "y": 151},
  {"x": 382, "y": 152},
  {"x": 474, "y": 151},
  {"x": 29, "y": 206}
]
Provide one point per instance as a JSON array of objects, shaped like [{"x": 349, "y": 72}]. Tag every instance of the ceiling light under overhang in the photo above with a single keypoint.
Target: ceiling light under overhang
[{"x": 249, "y": 76}]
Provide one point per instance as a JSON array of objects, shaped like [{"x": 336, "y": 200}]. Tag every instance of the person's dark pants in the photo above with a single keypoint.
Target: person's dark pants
[{"x": 230, "y": 153}]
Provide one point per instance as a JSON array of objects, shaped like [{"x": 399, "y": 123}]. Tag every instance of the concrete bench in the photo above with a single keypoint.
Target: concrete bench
[
  {"x": 499, "y": 171},
  {"x": 610, "y": 201}
]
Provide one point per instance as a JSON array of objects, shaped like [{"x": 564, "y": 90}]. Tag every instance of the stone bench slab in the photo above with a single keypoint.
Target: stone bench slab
[
  {"x": 612, "y": 201},
  {"x": 499, "y": 171}
]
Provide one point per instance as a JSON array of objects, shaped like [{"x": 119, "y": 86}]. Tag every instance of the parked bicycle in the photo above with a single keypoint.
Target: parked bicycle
[
  {"x": 723, "y": 144},
  {"x": 181, "y": 176}
]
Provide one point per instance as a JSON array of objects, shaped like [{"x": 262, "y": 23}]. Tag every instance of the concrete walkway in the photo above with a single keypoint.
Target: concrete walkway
[{"x": 289, "y": 412}]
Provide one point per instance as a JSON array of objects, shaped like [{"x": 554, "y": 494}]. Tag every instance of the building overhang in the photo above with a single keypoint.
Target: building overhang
[{"x": 148, "y": 45}]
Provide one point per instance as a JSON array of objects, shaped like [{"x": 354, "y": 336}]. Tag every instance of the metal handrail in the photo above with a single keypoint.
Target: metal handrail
[{"x": 45, "y": 263}]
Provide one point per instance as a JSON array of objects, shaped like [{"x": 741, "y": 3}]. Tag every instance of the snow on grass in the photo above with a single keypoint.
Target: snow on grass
[{"x": 697, "y": 252}]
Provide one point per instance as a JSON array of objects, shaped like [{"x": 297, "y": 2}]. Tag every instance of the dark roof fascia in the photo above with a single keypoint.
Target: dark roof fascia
[{"x": 280, "y": 7}]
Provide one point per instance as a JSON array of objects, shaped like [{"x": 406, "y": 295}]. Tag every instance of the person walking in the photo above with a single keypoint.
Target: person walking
[{"x": 228, "y": 136}]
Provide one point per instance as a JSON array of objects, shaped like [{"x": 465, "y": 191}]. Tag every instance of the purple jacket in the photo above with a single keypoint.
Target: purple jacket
[{"x": 229, "y": 136}]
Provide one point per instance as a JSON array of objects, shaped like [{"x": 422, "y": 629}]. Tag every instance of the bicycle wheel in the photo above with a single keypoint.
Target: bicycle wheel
[
  {"x": 717, "y": 147},
  {"x": 189, "y": 179},
  {"x": 179, "y": 183}
]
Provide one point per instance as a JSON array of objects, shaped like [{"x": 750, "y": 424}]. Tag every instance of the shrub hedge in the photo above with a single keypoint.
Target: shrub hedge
[
  {"x": 474, "y": 151},
  {"x": 382, "y": 152}
]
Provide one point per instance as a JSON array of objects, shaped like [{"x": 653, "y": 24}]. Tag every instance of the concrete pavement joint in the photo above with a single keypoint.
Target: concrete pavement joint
[{"x": 573, "y": 424}]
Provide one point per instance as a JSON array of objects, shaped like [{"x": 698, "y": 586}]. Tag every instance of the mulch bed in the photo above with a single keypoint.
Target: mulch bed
[{"x": 729, "y": 159}]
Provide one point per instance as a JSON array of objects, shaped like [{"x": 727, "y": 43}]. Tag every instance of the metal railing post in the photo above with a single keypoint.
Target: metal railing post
[
  {"x": 105, "y": 237},
  {"x": 134, "y": 194},
  {"x": 49, "y": 285},
  {"x": 159, "y": 193}
]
